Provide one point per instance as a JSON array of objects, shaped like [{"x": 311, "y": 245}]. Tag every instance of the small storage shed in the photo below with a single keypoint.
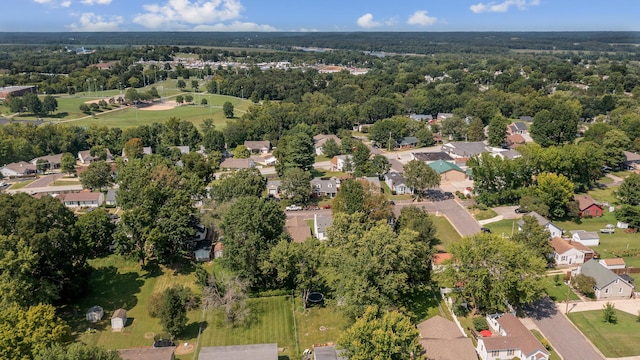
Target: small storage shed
[
  {"x": 119, "y": 320},
  {"x": 95, "y": 313}
]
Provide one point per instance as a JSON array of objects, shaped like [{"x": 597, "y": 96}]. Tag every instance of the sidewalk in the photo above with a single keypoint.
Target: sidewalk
[{"x": 631, "y": 306}]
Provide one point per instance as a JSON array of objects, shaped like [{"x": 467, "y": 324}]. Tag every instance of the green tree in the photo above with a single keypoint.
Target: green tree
[
  {"x": 585, "y": 284},
  {"x": 195, "y": 85},
  {"x": 361, "y": 156},
  {"x": 420, "y": 176},
  {"x": 330, "y": 148},
  {"x": 241, "y": 152},
  {"x": 251, "y": 227},
  {"x": 230, "y": 294},
  {"x": 227, "y": 109},
  {"x": 497, "y": 131},
  {"x": 237, "y": 184},
  {"x": 295, "y": 150},
  {"x": 84, "y": 108},
  {"x": 454, "y": 127},
  {"x": 497, "y": 272},
  {"x": 68, "y": 163},
  {"x": 379, "y": 334},
  {"x": 32, "y": 103},
  {"x": 181, "y": 84},
  {"x": 96, "y": 231},
  {"x": 42, "y": 165},
  {"x": 425, "y": 137},
  {"x": 77, "y": 351},
  {"x": 385, "y": 131},
  {"x": 173, "y": 310},
  {"x": 475, "y": 132},
  {"x": 296, "y": 185},
  {"x": 534, "y": 203},
  {"x": 614, "y": 144},
  {"x": 556, "y": 191},
  {"x": 629, "y": 214},
  {"x": 536, "y": 238},
  {"x": 629, "y": 191},
  {"x": 97, "y": 176},
  {"x": 609, "y": 313},
  {"x": 188, "y": 98},
  {"x": 557, "y": 125},
  {"x": 133, "y": 148},
  {"x": 180, "y": 99},
  {"x": 49, "y": 104},
  {"x": 350, "y": 198},
  {"x": 204, "y": 101},
  {"x": 379, "y": 165}
]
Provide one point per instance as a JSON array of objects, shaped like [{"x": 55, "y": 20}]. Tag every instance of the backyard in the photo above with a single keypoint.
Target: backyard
[{"x": 613, "y": 340}]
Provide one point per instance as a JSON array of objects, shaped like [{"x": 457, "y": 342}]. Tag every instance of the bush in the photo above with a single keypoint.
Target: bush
[
  {"x": 153, "y": 304},
  {"x": 480, "y": 323},
  {"x": 584, "y": 284}
]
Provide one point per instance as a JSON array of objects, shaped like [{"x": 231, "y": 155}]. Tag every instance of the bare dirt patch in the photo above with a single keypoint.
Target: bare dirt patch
[
  {"x": 184, "y": 348},
  {"x": 167, "y": 105}
]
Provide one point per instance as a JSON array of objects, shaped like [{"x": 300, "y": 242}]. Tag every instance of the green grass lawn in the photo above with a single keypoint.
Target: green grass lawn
[
  {"x": 558, "y": 293},
  {"x": 503, "y": 227},
  {"x": 389, "y": 194},
  {"x": 604, "y": 195},
  {"x": 20, "y": 184},
  {"x": 272, "y": 323},
  {"x": 319, "y": 324},
  {"x": 65, "y": 182},
  {"x": 483, "y": 214},
  {"x": 553, "y": 355},
  {"x": 613, "y": 340},
  {"x": 445, "y": 232}
]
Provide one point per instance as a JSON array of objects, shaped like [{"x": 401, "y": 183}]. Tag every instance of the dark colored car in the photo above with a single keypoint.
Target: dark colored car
[
  {"x": 521, "y": 211},
  {"x": 485, "y": 230}
]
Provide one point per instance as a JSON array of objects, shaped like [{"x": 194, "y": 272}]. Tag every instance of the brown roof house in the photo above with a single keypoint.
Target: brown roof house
[
  {"x": 613, "y": 263},
  {"x": 510, "y": 340},
  {"x": 443, "y": 340},
  {"x": 83, "y": 199},
  {"x": 258, "y": 146},
  {"x": 321, "y": 139},
  {"x": 233, "y": 164},
  {"x": 163, "y": 353},
  {"x": 297, "y": 228},
  {"x": 569, "y": 252}
]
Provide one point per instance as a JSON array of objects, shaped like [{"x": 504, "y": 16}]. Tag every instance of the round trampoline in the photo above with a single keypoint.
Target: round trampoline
[{"x": 315, "y": 297}]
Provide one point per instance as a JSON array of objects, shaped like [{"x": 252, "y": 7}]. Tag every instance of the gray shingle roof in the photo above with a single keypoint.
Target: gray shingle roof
[
  {"x": 601, "y": 274},
  {"x": 240, "y": 352}
]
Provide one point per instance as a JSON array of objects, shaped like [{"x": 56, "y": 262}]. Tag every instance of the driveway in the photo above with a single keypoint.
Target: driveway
[
  {"x": 563, "y": 336},
  {"x": 44, "y": 181},
  {"x": 507, "y": 212},
  {"x": 457, "y": 215}
]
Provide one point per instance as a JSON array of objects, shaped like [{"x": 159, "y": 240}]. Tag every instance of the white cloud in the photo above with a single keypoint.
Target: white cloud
[
  {"x": 421, "y": 18},
  {"x": 93, "y": 22},
  {"x": 235, "y": 26},
  {"x": 96, "y": 2},
  {"x": 181, "y": 13},
  {"x": 366, "y": 21},
  {"x": 43, "y": 1},
  {"x": 503, "y": 6},
  {"x": 65, "y": 4}
]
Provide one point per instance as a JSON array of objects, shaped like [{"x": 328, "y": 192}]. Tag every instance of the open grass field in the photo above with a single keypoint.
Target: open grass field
[
  {"x": 503, "y": 227},
  {"x": 445, "y": 232},
  {"x": 613, "y": 340}
]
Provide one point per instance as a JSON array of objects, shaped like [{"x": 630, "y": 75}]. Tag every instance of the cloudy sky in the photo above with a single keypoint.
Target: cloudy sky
[{"x": 326, "y": 15}]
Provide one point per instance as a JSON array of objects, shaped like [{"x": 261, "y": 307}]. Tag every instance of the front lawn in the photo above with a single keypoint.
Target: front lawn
[
  {"x": 483, "y": 214},
  {"x": 20, "y": 184},
  {"x": 613, "y": 340},
  {"x": 503, "y": 227},
  {"x": 319, "y": 324},
  {"x": 445, "y": 232},
  {"x": 558, "y": 293}
]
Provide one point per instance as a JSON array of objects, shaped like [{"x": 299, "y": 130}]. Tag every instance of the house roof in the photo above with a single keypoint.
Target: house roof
[
  {"x": 120, "y": 313},
  {"x": 599, "y": 273},
  {"x": 439, "y": 258},
  {"x": 542, "y": 221},
  {"x": 449, "y": 349},
  {"x": 218, "y": 246},
  {"x": 324, "y": 185},
  {"x": 441, "y": 166},
  {"x": 273, "y": 184},
  {"x": 320, "y": 139},
  {"x": 526, "y": 118},
  {"x": 163, "y": 353},
  {"x": 438, "y": 327},
  {"x": 515, "y": 139},
  {"x": 322, "y": 222},
  {"x": 82, "y": 196},
  {"x": 518, "y": 337},
  {"x": 111, "y": 195},
  {"x": 466, "y": 149},
  {"x": 407, "y": 140},
  {"x": 585, "y": 235},
  {"x": 631, "y": 156},
  {"x": 396, "y": 178},
  {"x": 257, "y": 145},
  {"x": 561, "y": 246},
  {"x": 52, "y": 159},
  {"x": 327, "y": 353},
  {"x": 297, "y": 228},
  {"x": 374, "y": 181},
  {"x": 432, "y": 156},
  {"x": 420, "y": 117},
  {"x": 232, "y": 163},
  {"x": 444, "y": 115},
  {"x": 585, "y": 201},
  {"x": 613, "y": 261},
  {"x": 518, "y": 126},
  {"x": 183, "y": 149},
  {"x": 20, "y": 167},
  {"x": 240, "y": 352}
]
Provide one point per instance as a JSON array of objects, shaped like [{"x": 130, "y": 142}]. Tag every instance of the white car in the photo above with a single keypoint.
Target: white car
[{"x": 293, "y": 208}]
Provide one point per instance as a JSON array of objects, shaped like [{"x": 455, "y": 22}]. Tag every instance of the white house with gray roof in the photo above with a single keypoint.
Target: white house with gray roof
[
  {"x": 397, "y": 183},
  {"x": 586, "y": 238},
  {"x": 608, "y": 284},
  {"x": 325, "y": 187},
  {"x": 320, "y": 225},
  {"x": 461, "y": 149},
  {"x": 554, "y": 230}
]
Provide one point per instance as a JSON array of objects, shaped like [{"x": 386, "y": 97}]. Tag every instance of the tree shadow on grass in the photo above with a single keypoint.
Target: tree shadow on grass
[
  {"x": 191, "y": 331},
  {"x": 419, "y": 302},
  {"x": 152, "y": 270}
]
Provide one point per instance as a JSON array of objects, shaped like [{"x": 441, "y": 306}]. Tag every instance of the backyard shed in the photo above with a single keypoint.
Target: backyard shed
[
  {"x": 95, "y": 313},
  {"x": 119, "y": 320}
]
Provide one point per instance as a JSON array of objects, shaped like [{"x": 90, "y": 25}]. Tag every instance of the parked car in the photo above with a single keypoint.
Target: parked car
[
  {"x": 485, "y": 230},
  {"x": 293, "y": 208},
  {"x": 521, "y": 211}
]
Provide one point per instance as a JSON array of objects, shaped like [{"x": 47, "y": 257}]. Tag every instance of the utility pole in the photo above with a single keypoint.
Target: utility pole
[{"x": 389, "y": 141}]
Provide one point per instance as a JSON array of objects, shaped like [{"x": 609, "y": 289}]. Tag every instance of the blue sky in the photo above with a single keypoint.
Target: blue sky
[{"x": 326, "y": 15}]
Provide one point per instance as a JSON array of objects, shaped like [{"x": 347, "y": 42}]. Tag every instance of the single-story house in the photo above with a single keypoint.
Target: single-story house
[
  {"x": 297, "y": 228},
  {"x": 631, "y": 159},
  {"x": 515, "y": 140},
  {"x": 202, "y": 250},
  {"x": 608, "y": 284},
  {"x": 240, "y": 352},
  {"x": 448, "y": 171},
  {"x": 613, "y": 263},
  {"x": 273, "y": 188},
  {"x": 258, "y": 146},
  {"x": 554, "y": 230},
  {"x": 85, "y": 157},
  {"x": 568, "y": 252},
  {"x": 146, "y": 150},
  {"x": 588, "y": 206},
  {"x": 321, "y": 139},
  {"x": 397, "y": 183},
  {"x": 95, "y": 313},
  {"x": 444, "y": 116},
  {"x": 119, "y": 320},
  {"x": 82, "y": 199},
  {"x": 505, "y": 153},
  {"x": 429, "y": 157},
  {"x": 510, "y": 339},
  {"x": 421, "y": 118},
  {"x": 53, "y": 160},
  {"x": 407, "y": 142},
  {"x": 110, "y": 198},
  {"x": 320, "y": 225},
  {"x": 587, "y": 238},
  {"x": 21, "y": 168},
  {"x": 374, "y": 183},
  {"x": 234, "y": 164},
  {"x": 218, "y": 250},
  {"x": 443, "y": 340},
  {"x": 148, "y": 353},
  {"x": 461, "y": 149},
  {"x": 325, "y": 187},
  {"x": 342, "y": 163},
  {"x": 438, "y": 261},
  {"x": 517, "y": 127},
  {"x": 327, "y": 353}
]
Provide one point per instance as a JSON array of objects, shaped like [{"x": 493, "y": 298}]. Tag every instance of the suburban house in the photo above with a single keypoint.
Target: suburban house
[
  {"x": 421, "y": 118},
  {"x": 218, "y": 250},
  {"x": 110, "y": 198},
  {"x": 82, "y": 199},
  {"x": 443, "y": 340},
  {"x": 342, "y": 163},
  {"x": 325, "y": 187},
  {"x": 144, "y": 353},
  {"x": 320, "y": 225},
  {"x": 374, "y": 183},
  {"x": 438, "y": 261},
  {"x": 587, "y": 238},
  {"x": 613, "y": 263},
  {"x": 119, "y": 320},
  {"x": 448, "y": 171},
  {"x": 258, "y": 146},
  {"x": 297, "y": 228},
  {"x": 53, "y": 160},
  {"x": 17, "y": 169},
  {"x": 460, "y": 149},
  {"x": 568, "y": 252},
  {"x": 240, "y": 352},
  {"x": 588, "y": 206},
  {"x": 273, "y": 188},
  {"x": 608, "y": 284},
  {"x": 321, "y": 139},
  {"x": 505, "y": 153},
  {"x": 514, "y": 140},
  {"x": 510, "y": 339},
  {"x": 631, "y": 160},
  {"x": 444, "y": 116},
  {"x": 430, "y": 157},
  {"x": 327, "y": 353},
  {"x": 397, "y": 183},
  {"x": 85, "y": 157},
  {"x": 517, "y": 127},
  {"x": 234, "y": 164},
  {"x": 407, "y": 142},
  {"x": 554, "y": 230}
]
